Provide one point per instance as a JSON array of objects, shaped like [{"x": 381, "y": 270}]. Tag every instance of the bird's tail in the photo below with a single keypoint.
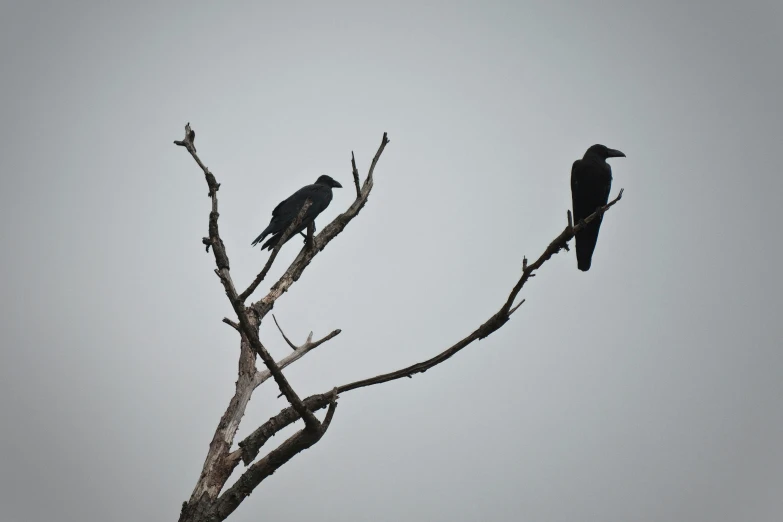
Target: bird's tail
[
  {"x": 257, "y": 240},
  {"x": 260, "y": 237},
  {"x": 583, "y": 263},
  {"x": 585, "y": 245},
  {"x": 271, "y": 242}
]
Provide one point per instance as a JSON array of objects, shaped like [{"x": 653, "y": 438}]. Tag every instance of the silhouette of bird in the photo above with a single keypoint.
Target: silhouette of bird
[
  {"x": 591, "y": 181},
  {"x": 319, "y": 193}
]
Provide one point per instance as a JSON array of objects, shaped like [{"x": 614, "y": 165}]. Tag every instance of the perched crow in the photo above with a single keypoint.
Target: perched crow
[
  {"x": 591, "y": 180},
  {"x": 320, "y": 193}
]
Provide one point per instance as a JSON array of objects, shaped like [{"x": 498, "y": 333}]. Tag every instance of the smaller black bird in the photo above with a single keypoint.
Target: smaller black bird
[
  {"x": 319, "y": 193},
  {"x": 591, "y": 181}
]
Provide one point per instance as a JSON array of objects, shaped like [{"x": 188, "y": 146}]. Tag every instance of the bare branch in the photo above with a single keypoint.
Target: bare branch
[
  {"x": 560, "y": 242},
  {"x": 241, "y": 489},
  {"x": 255, "y": 474},
  {"x": 299, "y": 351},
  {"x": 287, "y": 340},
  {"x": 309, "y": 344},
  {"x": 190, "y": 138},
  {"x": 385, "y": 141},
  {"x": 287, "y": 416},
  {"x": 315, "y": 402},
  {"x": 294, "y": 356},
  {"x": 330, "y": 412},
  {"x": 218, "y": 249},
  {"x": 570, "y": 227},
  {"x": 231, "y": 323},
  {"x": 290, "y": 230},
  {"x": 516, "y": 307},
  {"x": 297, "y": 267},
  {"x": 355, "y": 176}
]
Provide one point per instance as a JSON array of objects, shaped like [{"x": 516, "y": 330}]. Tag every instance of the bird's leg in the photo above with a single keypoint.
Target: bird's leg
[{"x": 308, "y": 230}]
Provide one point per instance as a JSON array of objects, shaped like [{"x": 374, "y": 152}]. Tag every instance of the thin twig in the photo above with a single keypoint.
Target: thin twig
[
  {"x": 570, "y": 227},
  {"x": 355, "y": 176},
  {"x": 516, "y": 307},
  {"x": 385, "y": 141},
  {"x": 287, "y": 340},
  {"x": 308, "y": 344},
  {"x": 231, "y": 323},
  {"x": 262, "y": 376}
]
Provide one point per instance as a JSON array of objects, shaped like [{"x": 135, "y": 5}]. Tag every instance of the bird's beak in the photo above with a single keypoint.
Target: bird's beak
[
  {"x": 614, "y": 153},
  {"x": 337, "y": 184}
]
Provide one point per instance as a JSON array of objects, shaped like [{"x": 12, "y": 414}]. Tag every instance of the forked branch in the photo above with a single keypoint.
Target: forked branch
[
  {"x": 301, "y": 440},
  {"x": 309, "y": 344}
]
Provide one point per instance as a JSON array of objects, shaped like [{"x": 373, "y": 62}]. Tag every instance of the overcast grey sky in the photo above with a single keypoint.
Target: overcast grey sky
[{"x": 647, "y": 389}]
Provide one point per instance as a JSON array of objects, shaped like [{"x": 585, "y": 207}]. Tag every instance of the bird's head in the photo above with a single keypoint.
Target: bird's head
[
  {"x": 603, "y": 152},
  {"x": 328, "y": 181}
]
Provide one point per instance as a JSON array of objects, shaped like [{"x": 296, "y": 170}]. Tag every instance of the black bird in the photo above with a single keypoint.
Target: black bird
[
  {"x": 591, "y": 180},
  {"x": 319, "y": 193}
]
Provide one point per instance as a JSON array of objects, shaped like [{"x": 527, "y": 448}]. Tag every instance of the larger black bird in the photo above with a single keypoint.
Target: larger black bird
[
  {"x": 591, "y": 180},
  {"x": 319, "y": 193}
]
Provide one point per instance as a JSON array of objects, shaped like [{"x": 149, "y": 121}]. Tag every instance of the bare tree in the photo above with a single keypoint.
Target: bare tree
[{"x": 211, "y": 501}]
